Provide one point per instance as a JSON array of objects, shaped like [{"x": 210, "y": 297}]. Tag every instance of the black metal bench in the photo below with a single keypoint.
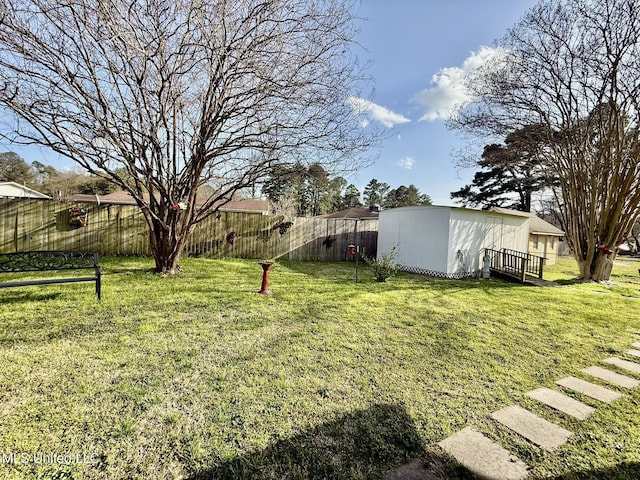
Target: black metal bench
[{"x": 43, "y": 261}]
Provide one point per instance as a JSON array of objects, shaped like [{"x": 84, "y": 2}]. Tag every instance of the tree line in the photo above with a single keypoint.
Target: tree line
[
  {"x": 292, "y": 191},
  {"x": 311, "y": 191}
]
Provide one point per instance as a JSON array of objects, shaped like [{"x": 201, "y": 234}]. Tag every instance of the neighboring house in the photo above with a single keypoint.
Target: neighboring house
[
  {"x": 354, "y": 213},
  {"x": 15, "y": 190},
  {"x": 249, "y": 205},
  {"x": 356, "y": 227},
  {"x": 448, "y": 241},
  {"x": 544, "y": 238}
]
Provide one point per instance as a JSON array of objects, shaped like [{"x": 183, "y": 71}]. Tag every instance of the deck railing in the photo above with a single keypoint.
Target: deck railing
[{"x": 515, "y": 263}]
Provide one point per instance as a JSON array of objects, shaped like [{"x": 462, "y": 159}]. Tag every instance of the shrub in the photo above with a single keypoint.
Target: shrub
[{"x": 385, "y": 267}]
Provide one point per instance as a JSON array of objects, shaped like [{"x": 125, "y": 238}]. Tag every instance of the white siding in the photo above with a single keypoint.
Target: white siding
[
  {"x": 448, "y": 240},
  {"x": 421, "y": 234},
  {"x": 469, "y": 231}
]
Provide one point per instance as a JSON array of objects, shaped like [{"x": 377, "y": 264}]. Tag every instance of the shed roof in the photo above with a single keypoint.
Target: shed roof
[
  {"x": 503, "y": 211},
  {"x": 537, "y": 226},
  {"x": 15, "y": 190}
]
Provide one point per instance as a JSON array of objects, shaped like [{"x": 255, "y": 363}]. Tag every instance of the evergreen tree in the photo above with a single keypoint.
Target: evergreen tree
[
  {"x": 510, "y": 174},
  {"x": 374, "y": 192},
  {"x": 351, "y": 197},
  {"x": 405, "y": 197}
]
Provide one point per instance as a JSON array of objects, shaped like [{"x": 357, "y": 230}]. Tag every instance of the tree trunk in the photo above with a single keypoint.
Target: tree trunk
[
  {"x": 167, "y": 259},
  {"x": 598, "y": 268},
  {"x": 166, "y": 247}
]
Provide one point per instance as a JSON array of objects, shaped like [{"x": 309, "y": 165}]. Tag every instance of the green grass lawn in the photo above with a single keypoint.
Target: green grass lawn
[{"x": 198, "y": 377}]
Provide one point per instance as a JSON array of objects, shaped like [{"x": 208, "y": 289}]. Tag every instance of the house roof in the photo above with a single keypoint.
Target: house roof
[
  {"x": 537, "y": 226},
  {"x": 353, "y": 213},
  {"x": 15, "y": 190},
  {"x": 124, "y": 198}
]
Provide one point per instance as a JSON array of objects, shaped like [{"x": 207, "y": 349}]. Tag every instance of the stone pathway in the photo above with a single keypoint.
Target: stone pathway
[
  {"x": 488, "y": 460},
  {"x": 536, "y": 429},
  {"x": 624, "y": 364},
  {"x": 483, "y": 457},
  {"x": 635, "y": 353},
  {"x": 562, "y": 403},
  {"x": 612, "y": 377},
  {"x": 589, "y": 389}
]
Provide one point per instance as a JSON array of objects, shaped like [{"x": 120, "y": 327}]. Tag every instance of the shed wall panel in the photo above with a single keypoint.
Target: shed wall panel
[
  {"x": 467, "y": 238},
  {"x": 421, "y": 234}
]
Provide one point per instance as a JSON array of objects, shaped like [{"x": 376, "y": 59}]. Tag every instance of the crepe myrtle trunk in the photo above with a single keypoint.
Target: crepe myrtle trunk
[
  {"x": 597, "y": 267},
  {"x": 167, "y": 243}
]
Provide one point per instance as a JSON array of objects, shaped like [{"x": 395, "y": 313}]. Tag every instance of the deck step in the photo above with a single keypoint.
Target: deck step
[
  {"x": 483, "y": 456},
  {"x": 611, "y": 377},
  {"x": 589, "y": 389},
  {"x": 546, "y": 435},
  {"x": 562, "y": 403},
  {"x": 633, "y": 352}
]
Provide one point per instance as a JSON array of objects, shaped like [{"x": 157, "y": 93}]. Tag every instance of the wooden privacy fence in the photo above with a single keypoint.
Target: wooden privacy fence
[{"x": 109, "y": 229}]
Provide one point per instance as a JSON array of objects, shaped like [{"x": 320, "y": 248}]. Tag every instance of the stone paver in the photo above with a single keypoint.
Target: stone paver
[
  {"x": 625, "y": 364},
  {"x": 532, "y": 427},
  {"x": 589, "y": 389},
  {"x": 633, "y": 353},
  {"x": 636, "y": 345},
  {"x": 561, "y": 402},
  {"x": 611, "y": 377},
  {"x": 483, "y": 457}
]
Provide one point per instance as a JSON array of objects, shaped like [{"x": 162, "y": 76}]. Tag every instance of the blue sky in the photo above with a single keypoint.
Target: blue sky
[{"x": 418, "y": 49}]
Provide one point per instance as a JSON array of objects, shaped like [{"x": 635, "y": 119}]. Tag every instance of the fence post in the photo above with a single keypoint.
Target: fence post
[{"x": 523, "y": 273}]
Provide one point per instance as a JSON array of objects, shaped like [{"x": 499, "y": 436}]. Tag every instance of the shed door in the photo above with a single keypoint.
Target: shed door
[{"x": 494, "y": 232}]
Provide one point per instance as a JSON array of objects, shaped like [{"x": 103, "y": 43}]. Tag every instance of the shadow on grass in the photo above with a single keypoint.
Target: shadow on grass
[
  {"x": 15, "y": 296},
  {"x": 378, "y": 443},
  {"x": 622, "y": 471},
  {"x": 570, "y": 281},
  {"x": 365, "y": 445}
]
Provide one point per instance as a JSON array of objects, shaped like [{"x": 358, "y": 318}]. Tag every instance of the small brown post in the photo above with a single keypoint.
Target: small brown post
[{"x": 264, "y": 289}]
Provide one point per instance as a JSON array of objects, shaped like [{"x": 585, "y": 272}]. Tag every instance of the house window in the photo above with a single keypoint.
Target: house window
[{"x": 535, "y": 241}]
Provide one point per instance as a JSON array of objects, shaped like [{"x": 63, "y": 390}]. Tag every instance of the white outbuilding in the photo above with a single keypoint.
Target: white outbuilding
[
  {"x": 15, "y": 190},
  {"x": 448, "y": 241}
]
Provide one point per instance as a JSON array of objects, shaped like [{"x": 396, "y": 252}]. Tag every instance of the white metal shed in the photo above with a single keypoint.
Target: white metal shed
[
  {"x": 448, "y": 241},
  {"x": 15, "y": 190}
]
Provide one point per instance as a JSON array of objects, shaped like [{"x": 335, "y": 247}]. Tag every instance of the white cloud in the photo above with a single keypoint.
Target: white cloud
[
  {"x": 448, "y": 91},
  {"x": 407, "y": 163},
  {"x": 374, "y": 112}
]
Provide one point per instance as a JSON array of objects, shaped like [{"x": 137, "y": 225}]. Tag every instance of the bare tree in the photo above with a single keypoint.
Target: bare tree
[
  {"x": 165, "y": 96},
  {"x": 572, "y": 67}
]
